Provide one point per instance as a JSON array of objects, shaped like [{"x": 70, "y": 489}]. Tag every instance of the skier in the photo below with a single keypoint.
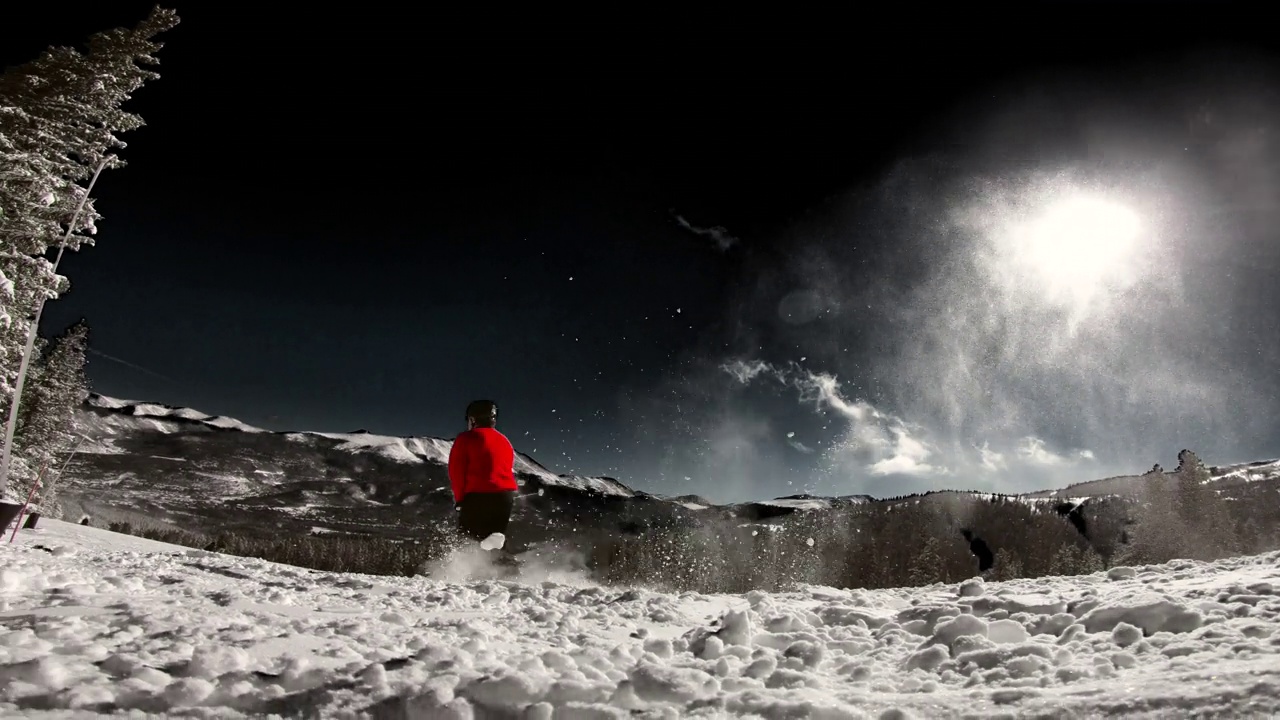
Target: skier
[{"x": 481, "y": 471}]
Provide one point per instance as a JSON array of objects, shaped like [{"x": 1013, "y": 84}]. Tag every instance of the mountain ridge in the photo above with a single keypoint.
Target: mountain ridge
[
  {"x": 212, "y": 473},
  {"x": 421, "y": 448}
]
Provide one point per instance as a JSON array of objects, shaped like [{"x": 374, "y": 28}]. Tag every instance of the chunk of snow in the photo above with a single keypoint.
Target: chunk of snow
[{"x": 973, "y": 587}]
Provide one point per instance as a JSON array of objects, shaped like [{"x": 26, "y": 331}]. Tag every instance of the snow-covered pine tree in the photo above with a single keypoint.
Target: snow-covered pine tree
[
  {"x": 1071, "y": 559},
  {"x": 1155, "y": 535},
  {"x": 47, "y": 428},
  {"x": 1006, "y": 566},
  {"x": 23, "y": 469},
  {"x": 1206, "y": 521},
  {"x": 60, "y": 116},
  {"x": 926, "y": 566}
]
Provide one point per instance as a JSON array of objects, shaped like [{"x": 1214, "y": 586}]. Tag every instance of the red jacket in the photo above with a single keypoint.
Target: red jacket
[{"x": 481, "y": 461}]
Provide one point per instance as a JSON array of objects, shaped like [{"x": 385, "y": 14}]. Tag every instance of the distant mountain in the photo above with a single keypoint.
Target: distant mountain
[
  {"x": 1225, "y": 479},
  {"x": 214, "y": 473},
  {"x": 211, "y": 473}
]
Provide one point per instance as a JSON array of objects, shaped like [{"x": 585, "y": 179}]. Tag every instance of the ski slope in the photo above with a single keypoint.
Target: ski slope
[{"x": 98, "y": 621}]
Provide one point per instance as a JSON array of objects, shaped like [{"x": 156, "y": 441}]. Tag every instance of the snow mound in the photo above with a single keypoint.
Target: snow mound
[{"x": 100, "y": 622}]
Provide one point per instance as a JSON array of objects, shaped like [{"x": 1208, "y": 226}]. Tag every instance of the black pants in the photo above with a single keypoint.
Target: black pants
[{"x": 484, "y": 514}]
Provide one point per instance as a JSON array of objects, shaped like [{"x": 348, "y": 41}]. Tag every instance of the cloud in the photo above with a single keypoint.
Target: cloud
[
  {"x": 991, "y": 460},
  {"x": 874, "y": 442},
  {"x": 824, "y": 391},
  {"x": 909, "y": 457},
  {"x": 721, "y": 236},
  {"x": 1032, "y": 450}
]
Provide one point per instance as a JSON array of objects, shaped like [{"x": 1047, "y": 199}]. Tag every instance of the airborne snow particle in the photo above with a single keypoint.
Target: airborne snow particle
[{"x": 791, "y": 434}]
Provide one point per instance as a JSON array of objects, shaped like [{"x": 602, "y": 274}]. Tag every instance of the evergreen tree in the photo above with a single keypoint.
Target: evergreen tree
[
  {"x": 1072, "y": 559},
  {"x": 60, "y": 117},
  {"x": 1064, "y": 561},
  {"x": 926, "y": 566},
  {"x": 23, "y": 469},
  {"x": 1206, "y": 520},
  {"x": 1191, "y": 476},
  {"x": 1090, "y": 561},
  {"x": 1007, "y": 566},
  {"x": 1156, "y": 535},
  {"x": 47, "y": 430}
]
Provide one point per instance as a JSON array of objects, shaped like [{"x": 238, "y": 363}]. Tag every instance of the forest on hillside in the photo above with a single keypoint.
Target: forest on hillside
[{"x": 909, "y": 541}]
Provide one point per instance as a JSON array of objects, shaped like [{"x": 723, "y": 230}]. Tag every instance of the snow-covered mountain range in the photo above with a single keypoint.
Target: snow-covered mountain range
[{"x": 212, "y": 473}]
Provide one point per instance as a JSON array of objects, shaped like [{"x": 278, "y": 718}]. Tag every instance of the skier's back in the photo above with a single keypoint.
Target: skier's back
[{"x": 481, "y": 471}]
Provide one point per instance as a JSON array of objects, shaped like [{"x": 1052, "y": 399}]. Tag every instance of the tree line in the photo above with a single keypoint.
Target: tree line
[
  {"x": 907, "y": 542},
  {"x": 942, "y": 537}
]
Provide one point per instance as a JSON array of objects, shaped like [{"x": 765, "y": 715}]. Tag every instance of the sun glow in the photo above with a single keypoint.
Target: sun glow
[{"x": 1077, "y": 248}]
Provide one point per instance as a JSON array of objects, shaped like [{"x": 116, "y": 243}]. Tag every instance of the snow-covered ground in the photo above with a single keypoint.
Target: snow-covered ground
[{"x": 100, "y": 621}]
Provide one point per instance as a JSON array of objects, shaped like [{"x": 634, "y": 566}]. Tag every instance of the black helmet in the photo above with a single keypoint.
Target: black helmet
[{"x": 484, "y": 412}]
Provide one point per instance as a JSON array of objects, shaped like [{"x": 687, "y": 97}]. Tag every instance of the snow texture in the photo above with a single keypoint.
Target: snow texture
[{"x": 95, "y": 621}]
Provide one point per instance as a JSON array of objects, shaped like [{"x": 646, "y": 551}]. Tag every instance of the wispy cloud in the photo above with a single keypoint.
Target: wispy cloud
[
  {"x": 745, "y": 371},
  {"x": 1033, "y": 451},
  {"x": 991, "y": 460},
  {"x": 720, "y": 235},
  {"x": 875, "y": 442}
]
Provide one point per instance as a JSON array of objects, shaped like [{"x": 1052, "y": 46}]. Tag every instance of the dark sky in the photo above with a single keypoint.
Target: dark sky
[{"x": 352, "y": 221}]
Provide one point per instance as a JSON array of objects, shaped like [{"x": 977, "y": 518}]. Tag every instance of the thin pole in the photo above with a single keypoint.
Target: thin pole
[
  {"x": 18, "y": 523},
  {"x": 12, "y": 423},
  {"x": 79, "y": 439}
]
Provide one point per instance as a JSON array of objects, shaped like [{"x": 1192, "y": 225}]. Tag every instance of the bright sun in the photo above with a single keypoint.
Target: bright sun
[{"x": 1078, "y": 246}]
